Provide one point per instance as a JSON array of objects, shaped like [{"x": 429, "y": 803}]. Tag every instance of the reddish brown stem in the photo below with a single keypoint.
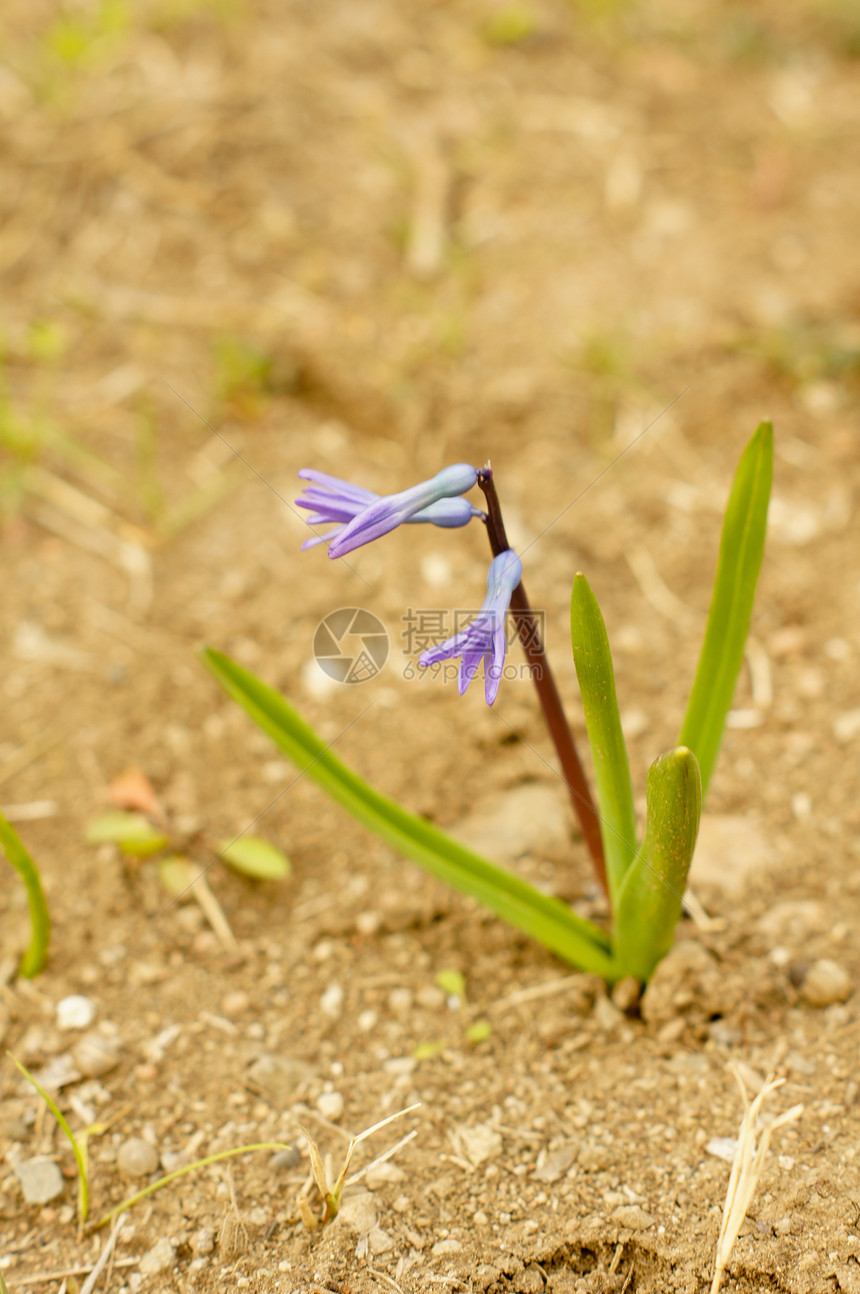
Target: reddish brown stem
[{"x": 550, "y": 700}]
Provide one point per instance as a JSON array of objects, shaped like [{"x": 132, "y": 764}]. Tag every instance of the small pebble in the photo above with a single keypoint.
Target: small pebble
[
  {"x": 203, "y": 1241},
  {"x": 847, "y": 726},
  {"x": 40, "y": 1180},
  {"x": 367, "y": 1020},
  {"x": 449, "y": 1246},
  {"x": 400, "y": 1000},
  {"x": 330, "y": 1105},
  {"x": 95, "y": 1055},
  {"x": 234, "y": 1003},
  {"x": 607, "y": 1015},
  {"x": 358, "y": 1213},
  {"x": 76, "y": 1012},
  {"x": 632, "y": 1216},
  {"x": 157, "y": 1259},
  {"x": 826, "y": 982},
  {"x": 331, "y": 1002},
  {"x": 626, "y": 994},
  {"x": 284, "y": 1160},
  {"x": 379, "y": 1241},
  {"x": 137, "y": 1158}
]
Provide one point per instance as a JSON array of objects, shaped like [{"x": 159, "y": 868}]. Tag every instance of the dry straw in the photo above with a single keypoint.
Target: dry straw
[{"x": 746, "y": 1168}]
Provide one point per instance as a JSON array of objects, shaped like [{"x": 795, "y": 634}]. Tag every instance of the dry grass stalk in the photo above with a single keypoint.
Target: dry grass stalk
[
  {"x": 331, "y": 1196},
  {"x": 746, "y": 1169}
]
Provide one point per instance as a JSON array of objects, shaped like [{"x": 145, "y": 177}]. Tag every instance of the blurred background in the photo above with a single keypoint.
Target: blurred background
[{"x": 241, "y": 238}]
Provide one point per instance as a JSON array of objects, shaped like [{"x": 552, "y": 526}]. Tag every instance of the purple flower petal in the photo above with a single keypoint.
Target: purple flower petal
[
  {"x": 390, "y": 511},
  {"x": 485, "y": 636}
]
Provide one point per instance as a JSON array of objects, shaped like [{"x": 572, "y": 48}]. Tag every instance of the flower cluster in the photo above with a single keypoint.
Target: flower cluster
[{"x": 359, "y": 516}]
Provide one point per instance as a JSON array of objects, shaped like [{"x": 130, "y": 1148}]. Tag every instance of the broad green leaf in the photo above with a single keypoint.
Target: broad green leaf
[
  {"x": 649, "y": 903},
  {"x": 546, "y": 919},
  {"x": 133, "y": 832},
  {"x": 596, "y": 676},
  {"x": 741, "y": 550},
  {"x": 253, "y": 856},
  {"x": 36, "y": 955}
]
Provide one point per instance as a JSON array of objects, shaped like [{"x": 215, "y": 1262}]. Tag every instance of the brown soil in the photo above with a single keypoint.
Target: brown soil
[{"x": 377, "y": 238}]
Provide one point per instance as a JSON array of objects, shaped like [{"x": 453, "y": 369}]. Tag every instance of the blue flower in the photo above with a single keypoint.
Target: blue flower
[
  {"x": 485, "y": 636},
  {"x": 362, "y": 516}
]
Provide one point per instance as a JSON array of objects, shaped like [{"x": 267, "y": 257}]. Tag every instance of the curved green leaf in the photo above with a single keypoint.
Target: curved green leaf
[
  {"x": 593, "y": 661},
  {"x": 36, "y": 955},
  {"x": 741, "y": 551},
  {"x": 546, "y": 919},
  {"x": 253, "y": 856},
  {"x": 649, "y": 904}
]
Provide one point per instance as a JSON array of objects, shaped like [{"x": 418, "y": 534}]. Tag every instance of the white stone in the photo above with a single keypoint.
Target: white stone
[
  {"x": 76, "y": 1012},
  {"x": 137, "y": 1158},
  {"x": 330, "y": 1105},
  {"x": 479, "y": 1142},
  {"x": 157, "y": 1259},
  {"x": 825, "y": 982},
  {"x": 95, "y": 1055},
  {"x": 40, "y": 1180},
  {"x": 331, "y": 1002},
  {"x": 847, "y": 726},
  {"x": 358, "y": 1213}
]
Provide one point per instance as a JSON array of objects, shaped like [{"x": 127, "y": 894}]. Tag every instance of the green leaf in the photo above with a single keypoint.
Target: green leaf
[
  {"x": 649, "y": 904},
  {"x": 741, "y": 550},
  {"x": 593, "y": 661},
  {"x": 79, "y": 1146},
  {"x": 177, "y": 874},
  {"x": 36, "y": 955},
  {"x": 480, "y": 1031},
  {"x": 546, "y": 919},
  {"x": 133, "y": 832},
  {"x": 452, "y": 983},
  {"x": 253, "y": 856},
  {"x": 182, "y": 1172},
  {"x": 427, "y": 1050}
]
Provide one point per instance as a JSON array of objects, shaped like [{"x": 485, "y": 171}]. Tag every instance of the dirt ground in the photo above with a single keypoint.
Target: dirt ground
[{"x": 376, "y": 238}]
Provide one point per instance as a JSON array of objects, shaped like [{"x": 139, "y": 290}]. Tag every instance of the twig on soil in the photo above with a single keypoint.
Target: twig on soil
[
  {"x": 746, "y": 1169},
  {"x": 107, "y": 1250},
  {"x": 382, "y": 1276},
  {"x": 47, "y": 1277},
  {"x": 549, "y": 987}
]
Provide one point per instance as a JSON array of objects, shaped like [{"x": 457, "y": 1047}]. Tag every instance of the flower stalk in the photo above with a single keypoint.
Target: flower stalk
[{"x": 547, "y": 690}]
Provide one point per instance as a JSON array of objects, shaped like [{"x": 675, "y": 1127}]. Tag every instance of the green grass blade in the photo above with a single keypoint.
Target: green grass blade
[
  {"x": 593, "y": 661},
  {"x": 649, "y": 904},
  {"x": 181, "y": 1172},
  {"x": 78, "y": 1149},
  {"x": 36, "y": 955},
  {"x": 546, "y": 919},
  {"x": 741, "y": 550}
]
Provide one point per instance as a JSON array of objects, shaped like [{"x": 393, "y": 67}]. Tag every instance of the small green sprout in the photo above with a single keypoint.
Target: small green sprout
[
  {"x": 143, "y": 832},
  {"x": 331, "y": 1196},
  {"x": 644, "y": 879},
  {"x": 36, "y": 955}
]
